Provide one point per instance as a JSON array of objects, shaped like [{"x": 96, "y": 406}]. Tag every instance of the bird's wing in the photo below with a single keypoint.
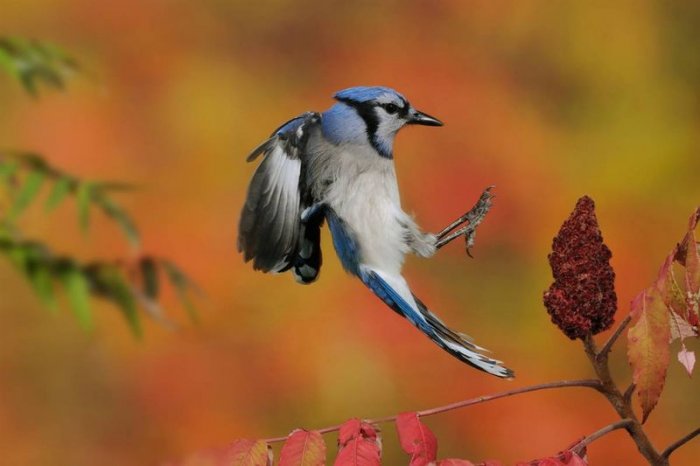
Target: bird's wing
[{"x": 270, "y": 229}]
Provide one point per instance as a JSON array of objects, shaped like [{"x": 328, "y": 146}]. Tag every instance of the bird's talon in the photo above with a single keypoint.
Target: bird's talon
[
  {"x": 469, "y": 238},
  {"x": 473, "y": 219}
]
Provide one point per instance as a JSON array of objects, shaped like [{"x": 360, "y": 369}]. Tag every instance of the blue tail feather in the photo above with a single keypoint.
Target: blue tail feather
[
  {"x": 393, "y": 290},
  {"x": 395, "y": 301},
  {"x": 456, "y": 344}
]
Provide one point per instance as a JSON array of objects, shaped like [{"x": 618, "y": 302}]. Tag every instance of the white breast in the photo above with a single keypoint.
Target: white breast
[{"x": 365, "y": 195}]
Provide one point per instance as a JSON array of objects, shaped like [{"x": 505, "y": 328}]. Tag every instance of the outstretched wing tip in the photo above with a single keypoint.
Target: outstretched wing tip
[
  {"x": 269, "y": 228},
  {"x": 260, "y": 149},
  {"x": 300, "y": 122}
]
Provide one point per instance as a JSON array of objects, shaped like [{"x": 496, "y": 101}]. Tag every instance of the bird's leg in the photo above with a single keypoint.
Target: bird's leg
[{"x": 474, "y": 217}]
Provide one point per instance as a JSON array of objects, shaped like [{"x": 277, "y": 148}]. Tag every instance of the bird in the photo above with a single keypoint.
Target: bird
[{"x": 337, "y": 167}]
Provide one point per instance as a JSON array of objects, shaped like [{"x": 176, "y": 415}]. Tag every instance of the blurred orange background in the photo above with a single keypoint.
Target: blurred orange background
[{"x": 546, "y": 100}]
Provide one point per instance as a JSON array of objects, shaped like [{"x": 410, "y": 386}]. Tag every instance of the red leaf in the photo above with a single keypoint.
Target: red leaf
[
  {"x": 674, "y": 296},
  {"x": 368, "y": 431},
  {"x": 687, "y": 359},
  {"x": 454, "y": 462},
  {"x": 303, "y": 448},
  {"x": 570, "y": 458},
  {"x": 349, "y": 430},
  {"x": 577, "y": 461},
  {"x": 648, "y": 347},
  {"x": 200, "y": 458},
  {"x": 682, "y": 248},
  {"x": 359, "y": 444},
  {"x": 246, "y": 453},
  {"x": 490, "y": 463},
  {"x": 353, "y": 428},
  {"x": 667, "y": 285},
  {"x": 680, "y": 328},
  {"x": 358, "y": 452},
  {"x": 550, "y": 462},
  {"x": 692, "y": 272},
  {"x": 416, "y": 439}
]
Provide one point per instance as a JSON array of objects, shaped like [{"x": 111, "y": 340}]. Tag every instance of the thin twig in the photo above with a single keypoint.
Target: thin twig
[
  {"x": 679, "y": 443},
  {"x": 590, "y": 383},
  {"x": 584, "y": 442},
  {"x": 325, "y": 430},
  {"x": 613, "y": 338}
]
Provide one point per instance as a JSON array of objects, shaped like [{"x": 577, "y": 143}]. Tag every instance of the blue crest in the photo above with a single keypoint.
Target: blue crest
[{"x": 361, "y": 94}]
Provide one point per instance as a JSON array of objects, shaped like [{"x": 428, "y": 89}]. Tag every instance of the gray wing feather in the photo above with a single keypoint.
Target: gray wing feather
[{"x": 270, "y": 225}]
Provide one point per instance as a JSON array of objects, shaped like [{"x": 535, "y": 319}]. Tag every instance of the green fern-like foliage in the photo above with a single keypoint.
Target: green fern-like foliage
[
  {"x": 132, "y": 286},
  {"x": 36, "y": 63}
]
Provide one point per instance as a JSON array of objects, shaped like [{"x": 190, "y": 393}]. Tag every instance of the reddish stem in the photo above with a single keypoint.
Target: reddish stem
[
  {"x": 584, "y": 442},
  {"x": 590, "y": 383},
  {"x": 621, "y": 403},
  {"x": 613, "y": 338},
  {"x": 679, "y": 443}
]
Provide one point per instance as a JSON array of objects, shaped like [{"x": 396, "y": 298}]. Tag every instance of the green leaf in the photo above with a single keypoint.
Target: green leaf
[
  {"x": 34, "y": 62},
  {"x": 18, "y": 256},
  {"x": 27, "y": 193},
  {"x": 42, "y": 281},
  {"x": 116, "y": 288},
  {"x": 8, "y": 168},
  {"x": 78, "y": 290},
  {"x": 7, "y": 56},
  {"x": 60, "y": 190},
  {"x": 149, "y": 273},
  {"x": 182, "y": 285},
  {"x": 6, "y": 61},
  {"x": 83, "y": 197},
  {"x": 121, "y": 218}
]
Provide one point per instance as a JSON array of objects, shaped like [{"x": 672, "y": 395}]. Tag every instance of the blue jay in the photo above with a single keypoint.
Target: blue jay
[{"x": 338, "y": 166}]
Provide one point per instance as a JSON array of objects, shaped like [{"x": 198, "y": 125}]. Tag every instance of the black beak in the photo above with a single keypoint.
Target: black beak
[{"x": 420, "y": 118}]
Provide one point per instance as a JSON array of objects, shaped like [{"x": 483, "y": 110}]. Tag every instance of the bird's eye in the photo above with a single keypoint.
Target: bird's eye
[{"x": 391, "y": 108}]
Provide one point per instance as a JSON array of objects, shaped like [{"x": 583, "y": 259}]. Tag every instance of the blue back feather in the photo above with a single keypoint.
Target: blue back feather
[{"x": 341, "y": 124}]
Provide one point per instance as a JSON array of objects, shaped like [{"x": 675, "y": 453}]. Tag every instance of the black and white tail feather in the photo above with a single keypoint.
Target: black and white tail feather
[
  {"x": 461, "y": 346},
  {"x": 394, "y": 291}
]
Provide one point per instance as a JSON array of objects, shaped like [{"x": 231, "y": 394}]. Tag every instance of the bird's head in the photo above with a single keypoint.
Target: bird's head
[{"x": 382, "y": 110}]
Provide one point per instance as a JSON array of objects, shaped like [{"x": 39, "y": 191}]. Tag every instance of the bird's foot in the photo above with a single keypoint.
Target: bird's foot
[{"x": 473, "y": 218}]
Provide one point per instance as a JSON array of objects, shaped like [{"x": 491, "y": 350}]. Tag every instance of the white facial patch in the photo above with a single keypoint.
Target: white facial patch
[{"x": 389, "y": 123}]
